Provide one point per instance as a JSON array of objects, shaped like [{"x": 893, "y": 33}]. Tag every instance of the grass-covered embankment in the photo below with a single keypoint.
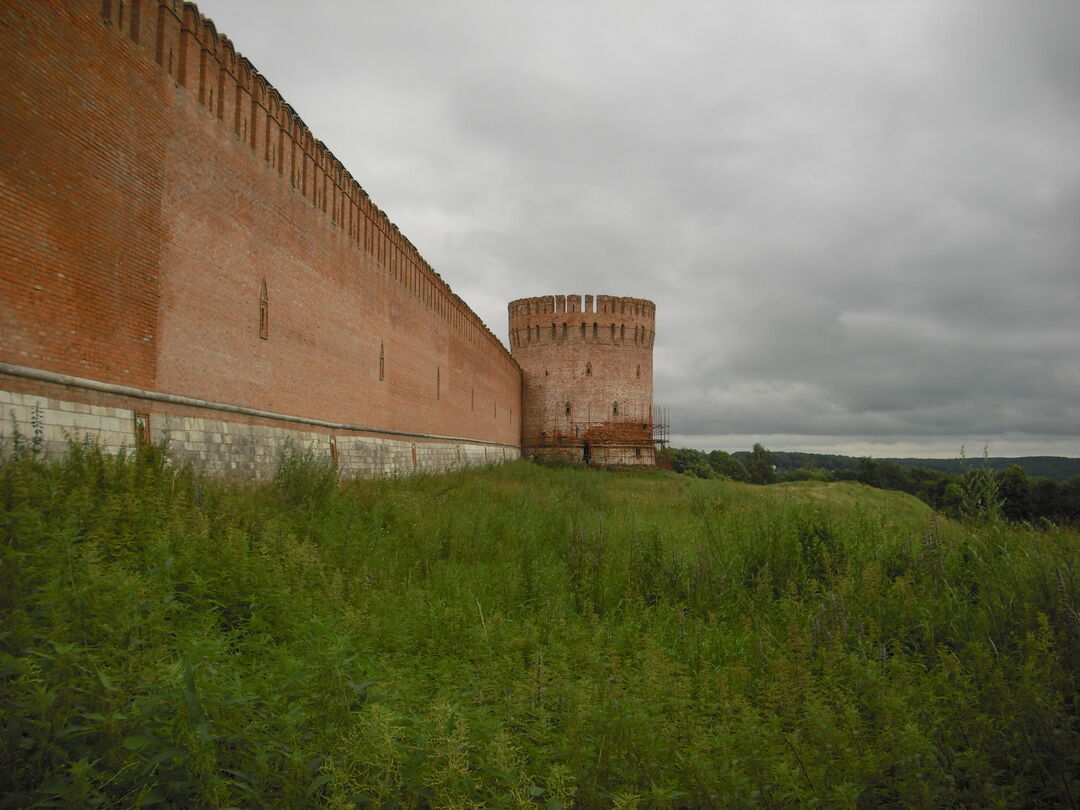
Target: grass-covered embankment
[{"x": 523, "y": 637}]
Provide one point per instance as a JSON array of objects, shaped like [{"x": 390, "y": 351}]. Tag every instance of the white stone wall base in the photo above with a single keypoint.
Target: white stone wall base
[{"x": 225, "y": 447}]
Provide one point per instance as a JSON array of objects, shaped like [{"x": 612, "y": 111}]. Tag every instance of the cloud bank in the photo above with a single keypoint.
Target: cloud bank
[{"x": 860, "y": 222}]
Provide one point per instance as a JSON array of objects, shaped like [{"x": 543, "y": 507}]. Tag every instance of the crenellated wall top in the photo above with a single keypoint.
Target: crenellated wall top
[
  {"x": 187, "y": 45},
  {"x": 614, "y": 308},
  {"x": 557, "y": 320}
]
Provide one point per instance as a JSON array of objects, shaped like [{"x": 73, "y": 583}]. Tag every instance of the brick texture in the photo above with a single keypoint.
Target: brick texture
[
  {"x": 151, "y": 184},
  {"x": 587, "y": 376}
]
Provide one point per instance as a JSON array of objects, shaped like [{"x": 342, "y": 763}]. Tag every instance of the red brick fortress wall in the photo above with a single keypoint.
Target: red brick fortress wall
[
  {"x": 587, "y": 369},
  {"x": 168, "y": 224}
]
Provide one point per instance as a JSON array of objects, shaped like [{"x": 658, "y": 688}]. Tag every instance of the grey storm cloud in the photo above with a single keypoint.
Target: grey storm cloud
[{"x": 860, "y": 222}]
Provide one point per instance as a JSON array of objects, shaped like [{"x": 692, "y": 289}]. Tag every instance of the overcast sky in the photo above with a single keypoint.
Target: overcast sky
[{"x": 860, "y": 221}]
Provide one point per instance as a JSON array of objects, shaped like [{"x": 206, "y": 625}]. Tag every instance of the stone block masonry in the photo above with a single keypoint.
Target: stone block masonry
[
  {"x": 57, "y": 421},
  {"x": 197, "y": 435},
  {"x": 232, "y": 448}
]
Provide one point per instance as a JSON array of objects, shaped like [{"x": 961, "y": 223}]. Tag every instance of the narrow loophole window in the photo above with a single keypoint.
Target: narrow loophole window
[
  {"x": 615, "y": 409},
  {"x": 568, "y": 409},
  {"x": 438, "y": 382},
  {"x": 133, "y": 19},
  {"x": 588, "y": 369},
  {"x": 264, "y": 313},
  {"x": 639, "y": 371},
  {"x": 382, "y": 360}
]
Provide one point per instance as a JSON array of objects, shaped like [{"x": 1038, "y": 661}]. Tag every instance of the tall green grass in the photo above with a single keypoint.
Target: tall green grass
[{"x": 522, "y": 637}]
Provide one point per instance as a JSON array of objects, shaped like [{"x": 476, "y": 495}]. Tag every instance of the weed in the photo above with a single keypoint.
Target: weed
[
  {"x": 981, "y": 500},
  {"x": 521, "y": 636}
]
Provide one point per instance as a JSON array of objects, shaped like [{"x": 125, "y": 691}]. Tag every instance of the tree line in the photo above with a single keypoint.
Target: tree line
[{"x": 978, "y": 491}]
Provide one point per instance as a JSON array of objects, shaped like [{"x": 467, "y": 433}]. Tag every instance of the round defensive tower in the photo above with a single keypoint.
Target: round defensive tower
[{"x": 587, "y": 368}]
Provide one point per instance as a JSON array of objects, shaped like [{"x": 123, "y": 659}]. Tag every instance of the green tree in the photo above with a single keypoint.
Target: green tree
[
  {"x": 690, "y": 462},
  {"x": 884, "y": 475},
  {"x": 726, "y": 465},
  {"x": 808, "y": 472},
  {"x": 759, "y": 466},
  {"x": 1047, "y": 494},
  {"x": 1069, "y": 505},
  {"x": 1014, "y": 490}
]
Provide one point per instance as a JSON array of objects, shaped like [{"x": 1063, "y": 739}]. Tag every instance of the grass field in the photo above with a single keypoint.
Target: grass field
[{"x": 523, "y": 637}]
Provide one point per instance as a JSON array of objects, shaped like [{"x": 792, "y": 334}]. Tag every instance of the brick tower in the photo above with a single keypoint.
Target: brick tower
[{"x": 587, "y": 369}]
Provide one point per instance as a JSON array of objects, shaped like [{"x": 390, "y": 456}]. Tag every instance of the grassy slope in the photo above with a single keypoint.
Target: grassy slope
[{"x": 524, "y": 637}]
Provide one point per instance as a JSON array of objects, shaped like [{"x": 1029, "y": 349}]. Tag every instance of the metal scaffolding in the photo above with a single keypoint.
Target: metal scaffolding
[{"x": 621, "y": 442}]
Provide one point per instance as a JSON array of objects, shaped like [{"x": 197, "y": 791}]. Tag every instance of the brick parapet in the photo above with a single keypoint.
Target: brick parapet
[{"x": 560, "y": 319}]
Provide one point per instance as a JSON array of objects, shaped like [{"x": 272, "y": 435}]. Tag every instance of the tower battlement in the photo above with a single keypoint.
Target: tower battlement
[{"x": 603, "y": 319}]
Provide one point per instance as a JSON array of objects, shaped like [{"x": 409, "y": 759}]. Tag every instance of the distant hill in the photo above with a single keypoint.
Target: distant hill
[{"x": 1059, "y": 468}]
